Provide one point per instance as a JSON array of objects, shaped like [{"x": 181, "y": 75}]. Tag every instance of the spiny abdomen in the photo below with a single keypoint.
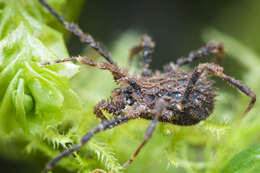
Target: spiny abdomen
[{"x": 171, "y": 87}]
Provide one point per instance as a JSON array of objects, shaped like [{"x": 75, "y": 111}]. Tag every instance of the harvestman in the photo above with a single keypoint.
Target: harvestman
[{"x": 175, "y": 96}]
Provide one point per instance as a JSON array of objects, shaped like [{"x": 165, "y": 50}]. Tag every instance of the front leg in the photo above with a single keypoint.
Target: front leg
[
  {"x": 217, "y": 70},
  {"x": 147, "y": 137},
  {"x": 159, "y": 107},
  {"x": 76, "y": 30},
  {"x": 113, "y": 68}
]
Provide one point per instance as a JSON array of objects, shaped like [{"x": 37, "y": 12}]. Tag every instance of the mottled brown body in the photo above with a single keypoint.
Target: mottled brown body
[
  {"x": 174, "y": 96},
  {"x": 169, "y": 86}
]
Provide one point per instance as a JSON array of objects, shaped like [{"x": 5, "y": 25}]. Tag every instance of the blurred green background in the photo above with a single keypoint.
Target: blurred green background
[
  {"x": 225, "y": 142},
  {"x": 176, "y": 26}
]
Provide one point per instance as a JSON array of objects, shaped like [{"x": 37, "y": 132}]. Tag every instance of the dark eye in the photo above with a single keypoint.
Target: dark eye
[{"x": 176, "y": 95}]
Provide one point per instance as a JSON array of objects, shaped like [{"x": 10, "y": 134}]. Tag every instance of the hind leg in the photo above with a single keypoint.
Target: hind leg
[
  {"x": 217, "y": 70},
  {"x": 145, "y": 46},
  {"x": 212, "y": 48}
]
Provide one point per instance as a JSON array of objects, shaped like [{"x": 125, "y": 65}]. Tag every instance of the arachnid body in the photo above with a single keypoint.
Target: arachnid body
[{"x": 175, "y": 96}]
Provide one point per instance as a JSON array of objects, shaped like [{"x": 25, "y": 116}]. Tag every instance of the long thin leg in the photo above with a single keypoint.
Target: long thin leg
[
  {"x": 101, "y": 127},
  {"x": 148, "y": 136},
  {"x": 146, "y": 45},
  {"x": 113, "y": 68},
  {"x": 84, "y": 38},
  {"x": 159, "y": 107},
  {"x": 212, "y": 47},
  {"x": 217, "y": 71}
]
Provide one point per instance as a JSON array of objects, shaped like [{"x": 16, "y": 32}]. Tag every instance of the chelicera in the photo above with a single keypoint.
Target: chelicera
[{"x": 174, "y": 96}]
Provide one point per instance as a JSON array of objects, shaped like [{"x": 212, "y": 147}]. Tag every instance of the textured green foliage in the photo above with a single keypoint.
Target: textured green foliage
[
  {"x": 30, "y": 92},
  {"x": 33, "y": 98},
  {"x": 245, "y": 161},
  {"x": 40, "y": 114}
]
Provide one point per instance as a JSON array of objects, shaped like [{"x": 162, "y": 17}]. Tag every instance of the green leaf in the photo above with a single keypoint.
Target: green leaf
[
  {"x": 30, "y": 92},
  {"x": 19, "y": 102},
  {"x": 246, "y": 161},
  {"x": 6, "y": 108}
]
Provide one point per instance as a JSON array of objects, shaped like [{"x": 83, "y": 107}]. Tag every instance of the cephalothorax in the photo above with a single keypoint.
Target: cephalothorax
[{"x": 175, "y": 96}]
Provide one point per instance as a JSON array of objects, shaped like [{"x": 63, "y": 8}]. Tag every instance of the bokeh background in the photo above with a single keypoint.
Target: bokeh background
[{"x": 176, "y": 26}]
